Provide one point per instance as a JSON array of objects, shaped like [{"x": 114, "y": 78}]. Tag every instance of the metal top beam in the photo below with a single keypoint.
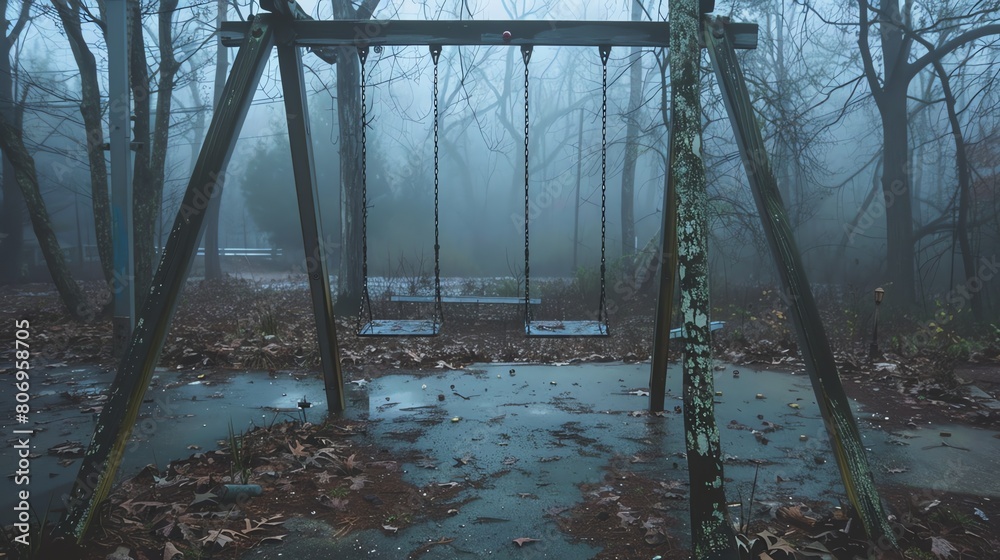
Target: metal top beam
[{"x": 485, "y": 32}]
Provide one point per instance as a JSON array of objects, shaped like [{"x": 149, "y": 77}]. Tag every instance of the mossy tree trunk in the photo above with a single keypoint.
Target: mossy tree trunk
[{"x": 712, "y": 534}]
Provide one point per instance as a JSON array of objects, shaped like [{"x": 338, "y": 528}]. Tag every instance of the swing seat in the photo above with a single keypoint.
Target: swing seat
[
  {"x": 467, "y": 299},
  {"x": 400, "y": 327},
  {"x": 554, "y": 329},
  {"x": 713, "y": 326}
]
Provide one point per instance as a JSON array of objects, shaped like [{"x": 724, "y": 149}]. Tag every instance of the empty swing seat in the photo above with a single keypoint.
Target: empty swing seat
[
  {"x": 400, "y": 327},
  {"x": 488, "y": 300},
  {"x": 713, "y": 326},
  {"x": 566, "y": 328}
]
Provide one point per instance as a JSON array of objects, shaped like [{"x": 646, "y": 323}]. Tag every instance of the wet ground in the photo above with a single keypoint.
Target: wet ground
[{"x": 518, "y": 444}]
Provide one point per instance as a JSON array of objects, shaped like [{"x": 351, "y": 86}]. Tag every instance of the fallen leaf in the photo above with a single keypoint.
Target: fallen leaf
[
  {"x": 627, "y": 518},
  {"x": 298, "y": 450},
  {"x": 206, "y": 497},
  {"x": 941, "y": 547},
  {"x": 169, "y": 551},
  {"x": 338, "y": 504},
  {"x": 323, "y": 477},
  {"x": 219, "y": 537},
  {"x": 357, "y": 482},
  {"x": 275, "y": 538},
  {"x": 608, "y": 500},
  {"x": 66, "y": 448},
  {"x": 525, "y": 540},
  {"x": 795, "y": 515}
]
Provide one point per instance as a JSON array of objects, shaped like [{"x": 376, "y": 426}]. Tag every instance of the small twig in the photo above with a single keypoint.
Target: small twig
[
  {"x": 426, "y": 548},
  {"x": 945, "y": 444},
  {"x": 753, "y": 489}
]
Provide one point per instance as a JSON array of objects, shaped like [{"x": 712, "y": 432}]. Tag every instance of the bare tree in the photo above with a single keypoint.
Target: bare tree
[
  {"x": 70, "y": 15},
  {"x": 152, "y": 127},
  {"x": 631, "y": 142},
  {"x": 213, "y": 266},
  {"x": 897, "y": 35},
  {"x": 12, "y": 211},
  {"x": 12, "y": 144},
  {"x": 349, "y": 113}
]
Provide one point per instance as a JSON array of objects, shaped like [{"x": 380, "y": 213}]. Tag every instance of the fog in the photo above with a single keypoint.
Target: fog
[{"x": 815, "y": 108}]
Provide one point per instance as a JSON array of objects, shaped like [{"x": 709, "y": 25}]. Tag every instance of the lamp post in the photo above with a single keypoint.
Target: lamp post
[{"x": 873, "y": 349}]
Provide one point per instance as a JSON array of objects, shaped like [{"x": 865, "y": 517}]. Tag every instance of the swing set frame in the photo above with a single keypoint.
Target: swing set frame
[{"x": 288, "y": 30}]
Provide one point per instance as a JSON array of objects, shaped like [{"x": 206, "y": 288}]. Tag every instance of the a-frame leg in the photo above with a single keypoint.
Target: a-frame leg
[
  {"x": 114, "y": 426},
  {"x": 300, "y": 140},
  {"x": 665, "y": 294},
  {"x": 833, "y": 402}
]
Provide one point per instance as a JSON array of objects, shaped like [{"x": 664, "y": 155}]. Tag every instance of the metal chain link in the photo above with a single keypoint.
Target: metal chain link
[
  {"x": 438, "y": 312},
  {"x": 365, "y": 295},
  {"x": 526, "y": 55},
  {"x": 602, "y": 313}
]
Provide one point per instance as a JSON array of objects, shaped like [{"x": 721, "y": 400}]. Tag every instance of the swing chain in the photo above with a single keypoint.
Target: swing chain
[
  {"x": 365, "y": 302},
  {"x": 526, "y": 56},
  {"x": 438, "y": 312},
  {"x": 602, "y": 311}
]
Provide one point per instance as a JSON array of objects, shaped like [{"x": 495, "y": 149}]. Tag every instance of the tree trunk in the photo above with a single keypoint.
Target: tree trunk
[
  {"x": 144, "y": 208},
  {"x": 631, "y": 146},
  {"x": 349, "y": 279},
  {"x": 90, "y": 110},
  {"x": 712, "y": 534},
  {"x": 213, "y": 266},
  {"x": 12, "y": 211},
  {"x": 12, "y": 143},
  {"x": 900, "y": 257},
  {"x": 971, "y": 289},
  {"x": 150, "y": 157}
]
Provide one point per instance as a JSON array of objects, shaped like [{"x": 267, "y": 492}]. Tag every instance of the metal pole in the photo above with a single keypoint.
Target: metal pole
[
  {"x": 317, "y": 252},
  {"x": 576, "y": 208},
  {"x": 119, "y": 113},
  {"x": 873, "y": 351},
  {"x": 114, "y": 426}
]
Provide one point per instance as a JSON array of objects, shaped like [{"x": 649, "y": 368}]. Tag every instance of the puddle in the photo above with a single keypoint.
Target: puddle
[{"x": 526, "y": 440}]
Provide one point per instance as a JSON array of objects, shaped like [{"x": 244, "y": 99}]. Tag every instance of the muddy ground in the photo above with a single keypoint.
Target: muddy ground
[{"x": 222, "y": 328}]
